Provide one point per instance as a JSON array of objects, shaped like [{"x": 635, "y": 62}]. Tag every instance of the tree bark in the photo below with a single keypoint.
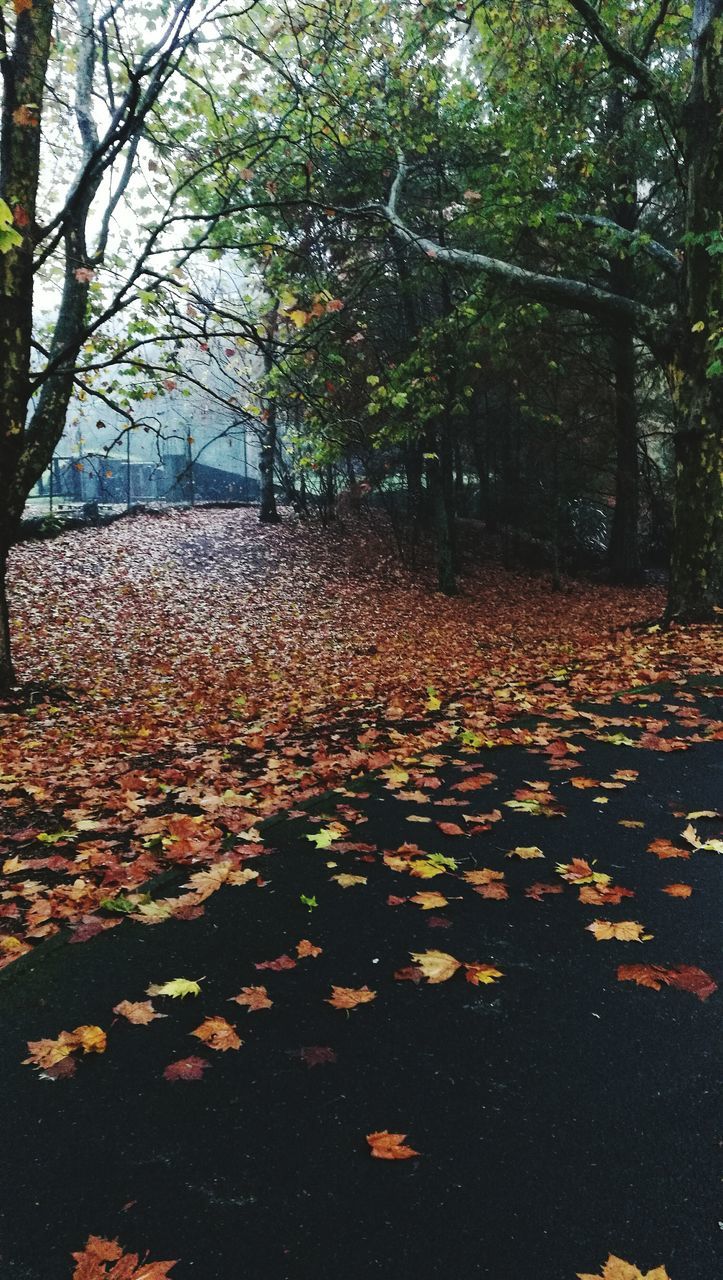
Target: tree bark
[
  {"x": 268, "y": 512},
  {"x": 696, "y": 574}
]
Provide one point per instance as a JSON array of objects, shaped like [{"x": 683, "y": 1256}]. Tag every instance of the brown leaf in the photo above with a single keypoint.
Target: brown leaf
[
  {"x": 217, "y": 1033},
  {"x": 140, "y": 1012},
  {"x": 429, "y": 900},
  {"x": 474, "y": 782},
  {"x": 317, "y": 1055},
  {"x": 483, "y": 875},
  {"x": 350, "y": 997},
  {"x": 451, "y": 829},
  {"x": 186, "y": 1069},
  {"x": 281, "y": 962},
  {"x": 92, "y": 1263},
  {"x": 306, "y": 948},
  {"x": 645, "y": 975},
  {"x": 540, "y": 890},
  {"x": 390, "y": 1146},
  {"x": 495, "y": 890},
  {"x": 666, "y": 849},
  {"x": 254, "y": 997},
  {"x": 482, "y": 974},
  {"x": 677, "y": 890}
]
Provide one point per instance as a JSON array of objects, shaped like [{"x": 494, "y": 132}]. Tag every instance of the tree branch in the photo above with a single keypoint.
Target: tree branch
[
  {"x": 653, "y": 248},
  {"x": 620, "y": 56}
]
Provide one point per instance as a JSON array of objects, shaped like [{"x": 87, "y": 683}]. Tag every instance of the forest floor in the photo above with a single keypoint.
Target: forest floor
[{"x": 221, "y": 693}]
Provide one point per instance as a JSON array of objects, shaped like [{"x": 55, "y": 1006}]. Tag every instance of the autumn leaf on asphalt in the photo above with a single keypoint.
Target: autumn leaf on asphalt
[
  {"x": 428, "y": 900},
  {"x": 316, "y": 1055},
  {"x": 525, "y": 852},
  {"x": 140, "y": 1012},
  {"x": 474, "y": 782},
  {"x": 217, "y": 1033},
  {"x": 451, "y": 829},
  {"x": 53, "y": 1057},
  {"x": 630, "y": 822},
  {"x": 350, "y": 997},
  {"x": 254, "y": 997},
  {"x": 540, "y": 890},
  {"x": 495, "y": 891},
  {"x": 483, "y": 875},
  {"x": 579, "y": 871},
  {"x": 346, "y": 881},
  {"x": 654, "y": 976},
  {"x": 677, "y": 890},
  {"x": 325, "y": 838},
  {"x": 177, "y": 988},
  {"x": 686, "y": 977},
  {"x": 306, "y": 948},
  {"x": 186, "y": 1069},
  {"x": 620, "y": 931},
  {"x": 437, "y": 966},
  {"x": 599, "y": 895},
  {"x": 93, "y": 1263},
  {"x": 617, "y": 1269},
  {"x": 281, "y": 962},
  {"x": 482, "y": 974},
  {"x": 390, "y": 1146},
  {"x": 666, "y": 849}
]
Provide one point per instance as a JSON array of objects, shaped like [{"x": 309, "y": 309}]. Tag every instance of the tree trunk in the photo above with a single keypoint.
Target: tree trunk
[
  {"x": 444, "y": 542},
  {"x": 696, "y": 575},
  {"x": 623, "y": 551},
  {"x": 268, "y": 513},
  {"x": 7, "y": 670}
]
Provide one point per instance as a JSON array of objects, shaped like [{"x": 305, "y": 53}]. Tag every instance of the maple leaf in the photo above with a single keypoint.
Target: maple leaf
[
  {"x": 176, "y": 988},
  {"x": 53, "y": 1056},
  {"x": 687, "y": 977},
  {"x": 217, "y": 1033},
  {"x": 666, "y": 849},
  {"x": 437, "y": 966},
  {"x": 186, "y": 1069},
  {"x": 92, "y": 1260},
  {"x": 540, "y": 890},
  {"x": 316, "y": 1055},
  {"x": 483, "y": 875},
  {"x": 677, "y": 890},
  {"x": 350, "y": 997},
  {"x": 281, "y": 962},
  {"x": 429, "y": 900},
  {"x": 390, "y": 1146},
  {"x": 620, "y": 930},
  {"x": 603, "y": 894},
  {"x": 482, "y": 974},
  {"x": 306, "y": 948},
  {"x": 140, "y": 1012},
  {"x": 255, "y": 997},
  {"x": 617, "y": 1269},
  {"x": 525, "y": 852},
  {"x": 578, "y": 871},
  {"x": 495, "y": 891},
  {"x": 654, "y": 976},
  {"x": 325, "y": 838},
  {"x": 451, "y": 829},
  {"x": 347, "y": 881},
  {"x": 475, "y": 782}
]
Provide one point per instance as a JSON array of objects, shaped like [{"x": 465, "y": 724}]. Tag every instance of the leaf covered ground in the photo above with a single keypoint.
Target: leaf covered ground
[
  {"x": 206, "y": 673},
  {"x": 453, "y": 1021}
]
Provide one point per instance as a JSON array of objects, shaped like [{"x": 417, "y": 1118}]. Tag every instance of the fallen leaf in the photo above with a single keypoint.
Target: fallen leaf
[
  {"x": 390, "y": 1146},
  {"x": 186, "y": 1069},
  {"x": 666, "y": 849},
  {"x": 140, "y": 1012},
  {"x": 525, "y": 852},
  {"x": 93, "y": 1259},
  {"x": 677, "y": 890},
  {"x": 217, "y": 1033},
  {"x": 483, "y": 875},
  {"x": 346, "y": 881},
  {"x": 254, "y": 997},
  {"x": 177, "y": 987},
  {"x": 482, "y": 974},
  {"x": 437, "y": 966},
  {"x": 316, "y": 1055},
  {"x": 429, "y": 900},
  {"x": 350, "y": 997},
  {"x": 451, "y": 829},
  {"x": 306, "y": 948},
  {"x": 281, "y": 962},
  {"x": 617, "y": 1269},
  {"x": 620, "y": 930},
  {"x": 540, "y": 890}
]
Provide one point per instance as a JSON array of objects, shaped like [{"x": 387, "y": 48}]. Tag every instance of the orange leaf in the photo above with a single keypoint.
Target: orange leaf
[
  {"x": 217, "y": 1033},
  {"x": 350, "y": 997},
  {"x": 390, "y": 1146}
]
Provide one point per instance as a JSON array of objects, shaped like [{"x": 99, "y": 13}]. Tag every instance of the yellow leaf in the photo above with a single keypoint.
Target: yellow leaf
[
  {"x": 437, "y": 966},
  {"x": 620, "y": 930},
  {"x": 525, "y": 852},
  {"x": 428, "y": 900},
  {"x": 175, "y": 988}
]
